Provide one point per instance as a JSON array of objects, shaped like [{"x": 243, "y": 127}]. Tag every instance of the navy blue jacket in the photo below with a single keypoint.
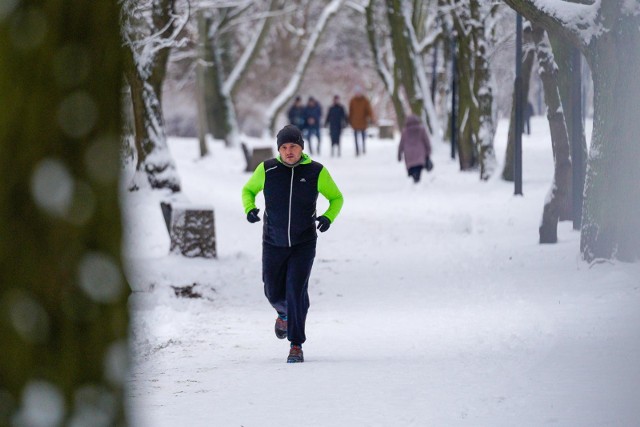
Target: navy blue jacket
[{"x": 290, "y": 196}]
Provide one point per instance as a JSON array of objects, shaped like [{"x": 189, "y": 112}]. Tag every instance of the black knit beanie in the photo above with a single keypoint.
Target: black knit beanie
[{"x": 291, "y": 134}]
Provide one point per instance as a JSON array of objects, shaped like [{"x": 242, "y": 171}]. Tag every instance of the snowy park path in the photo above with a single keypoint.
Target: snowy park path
[{"x": 431, "y": 305}]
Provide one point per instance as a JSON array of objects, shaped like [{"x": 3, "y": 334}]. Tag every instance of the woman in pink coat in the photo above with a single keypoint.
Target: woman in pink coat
[{"x": 415, "y": 146}]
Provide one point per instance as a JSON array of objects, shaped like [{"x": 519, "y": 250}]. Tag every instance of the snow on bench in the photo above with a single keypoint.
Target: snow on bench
[{"x": 191, "y": 229}]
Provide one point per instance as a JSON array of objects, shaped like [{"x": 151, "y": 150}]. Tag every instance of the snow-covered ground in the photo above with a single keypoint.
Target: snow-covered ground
[{"x": 431, "y": 305}]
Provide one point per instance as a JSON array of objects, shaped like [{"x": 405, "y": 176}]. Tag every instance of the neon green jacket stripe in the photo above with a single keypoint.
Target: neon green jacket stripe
[
  {"x": 328, "y": 188},
  {"x": 252, "y": 188}
]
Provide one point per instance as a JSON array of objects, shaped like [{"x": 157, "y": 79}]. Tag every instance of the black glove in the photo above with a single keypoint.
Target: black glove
[
  {"x": 323, "y": 223},
  {"x": 252, "y": 215}
]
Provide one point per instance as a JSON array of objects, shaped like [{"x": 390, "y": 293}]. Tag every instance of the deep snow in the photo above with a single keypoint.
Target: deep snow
[{"x": 431, "y": 304}]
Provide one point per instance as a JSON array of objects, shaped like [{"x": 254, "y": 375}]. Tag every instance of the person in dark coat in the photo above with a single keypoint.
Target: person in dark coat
[
  {"x": 313, "y": 117},
  {"x": 336, "y": 120},
  {"x": 528, "y": 113},
  {"x": 290, "y": 184},
  {"x": 296, "y": 114},
  {"x": 415, "y": 146}
]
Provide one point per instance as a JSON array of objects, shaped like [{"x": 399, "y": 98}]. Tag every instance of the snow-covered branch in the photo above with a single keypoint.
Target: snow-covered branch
[
  {"x": 575, "y": 21},
  {"x": 289, "y": 91}
]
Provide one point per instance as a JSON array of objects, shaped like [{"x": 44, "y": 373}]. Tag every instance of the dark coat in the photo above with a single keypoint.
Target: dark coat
[
  {"x": 414, "y": 143},
  {"x": 296, "y": 116},
  {"x": 313, "y": 115},
  {"x": 336, "y": 119},
  {"x": 290, "y": 216}
]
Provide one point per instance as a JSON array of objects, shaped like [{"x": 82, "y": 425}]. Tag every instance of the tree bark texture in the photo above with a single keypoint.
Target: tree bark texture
[
  {"x": 611, "y": 209},
  {"x": 63, "y": 299},
  {"x": 308, "y": 51},
  {"x": 213, "y": 68},
  {"x": 403, "y": 65},
  {"x": 145, "y": 75},
  {"x": 559, "y": 194},
  {"x": 388, "y": 77},
  {"x": 476, "y": 123},
  {"x": 508, "y": 172},
  {"x": 562, "y": 55},
  {"x": 467, "y": 149},
  {"x": 203, "y": 81}
]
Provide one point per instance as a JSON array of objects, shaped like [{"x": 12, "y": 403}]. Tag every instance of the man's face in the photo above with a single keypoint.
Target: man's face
[{"x": 290, "y": 153}]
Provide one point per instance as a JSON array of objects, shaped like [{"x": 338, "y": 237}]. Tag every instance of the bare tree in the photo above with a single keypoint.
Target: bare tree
[
  {"x": 474, "y": 23},
  {"x": 294, "y": 82},
  {"x": 219, "y": 73},
  {"x": 398, "y": 43},
  {"x": 558, "y": 199},
  {"x": 150, "y": 28},
  {"x": 63, "y": 297},
  {"x": 508, "y": 172},
  {"x": 607, "y": 35}
]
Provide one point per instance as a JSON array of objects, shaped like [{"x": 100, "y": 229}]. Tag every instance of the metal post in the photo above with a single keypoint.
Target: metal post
[
  {"x": 576, "y": 137},
  {"x": 454, "y": 99},
  {"x": 517, "y": 151},
  {"x": 434, "y": 76}
]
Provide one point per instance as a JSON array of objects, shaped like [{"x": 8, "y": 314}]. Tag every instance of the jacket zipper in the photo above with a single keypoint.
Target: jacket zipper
[{"x": 290, "y": 198}]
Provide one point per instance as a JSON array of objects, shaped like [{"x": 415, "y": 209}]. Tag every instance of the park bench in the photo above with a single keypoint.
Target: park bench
[
  {"x": 191, "y": 229},
  {"x": 385, "y": 129},
  {"x": 256, "y": 156}
]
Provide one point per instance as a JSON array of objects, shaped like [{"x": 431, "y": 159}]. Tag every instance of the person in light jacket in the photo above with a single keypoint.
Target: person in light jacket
[{"x": 415, "y": 146}]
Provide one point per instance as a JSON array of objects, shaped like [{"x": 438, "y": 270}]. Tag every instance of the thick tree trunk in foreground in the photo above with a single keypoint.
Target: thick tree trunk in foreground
[
  {"x": 559, "y": 194},
  {"x": 611, "y": 210},
  {"x": 63, "y": 312}
]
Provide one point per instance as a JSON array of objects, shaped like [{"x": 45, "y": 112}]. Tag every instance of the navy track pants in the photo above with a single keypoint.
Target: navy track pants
[{"x": 285, "y": 273}]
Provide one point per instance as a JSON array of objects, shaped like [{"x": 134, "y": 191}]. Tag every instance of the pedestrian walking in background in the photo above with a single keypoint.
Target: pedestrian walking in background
[
  {"x": 290, "y": 183},
  {"x": 528, "y": 113},
  {"x": 360, "y": 115},
  {"x": 313, "y": 116},
  {"x": 296, "y": 114},
  {"x": 336, "y": 120},
  {"x": 416, "y": 147}
]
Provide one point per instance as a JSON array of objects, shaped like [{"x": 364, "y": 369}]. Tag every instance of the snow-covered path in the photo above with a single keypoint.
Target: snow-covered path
[{"x": 430, "y": 305}]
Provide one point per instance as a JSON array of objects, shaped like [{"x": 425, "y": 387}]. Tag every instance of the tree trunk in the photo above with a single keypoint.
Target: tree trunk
[
  {"x": 402, "y": 51},
  {"x": 508, "y": 173},
  {"x": 483, "y": 125},
  {"x": 152, "y": 150},
  {"x": 558, "y": 197},
  {"x": 294, "y": 83},
  {"x": 203, "y": 81},
  {"x": 389, "y": 79},
  {"x": 467, "y": 148},
  {"x": 145, "y": 74},
  {"x": 611, "y": 210},
  {"x": 63, "y": 295},
  {"x": 219, "y": 113},
  {"x": 562, "y": 52}
]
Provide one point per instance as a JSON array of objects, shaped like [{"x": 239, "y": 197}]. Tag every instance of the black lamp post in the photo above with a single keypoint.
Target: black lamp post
[
  {"x": 517, "y": 151},
  {"x": 454, "y": 98}
]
